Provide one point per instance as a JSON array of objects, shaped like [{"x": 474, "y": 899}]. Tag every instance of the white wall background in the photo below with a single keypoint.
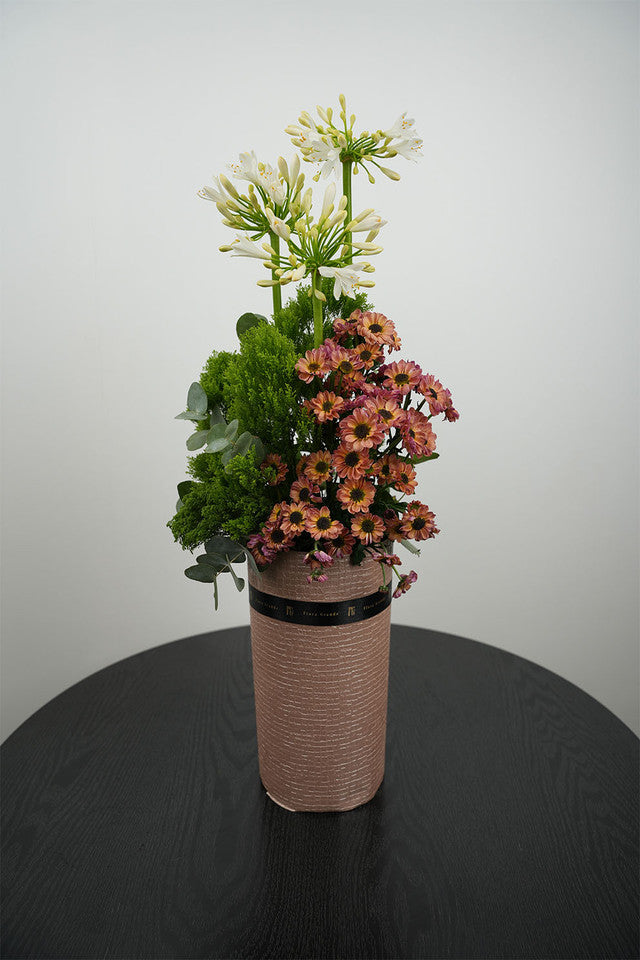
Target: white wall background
[{"x": 509, "y": 267}]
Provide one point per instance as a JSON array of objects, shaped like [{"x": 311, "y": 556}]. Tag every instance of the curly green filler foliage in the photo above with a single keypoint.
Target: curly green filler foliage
[
  {"x": 262, "y": 391},
  {"x": 234, "y": 502},
  {"x": 213, "y": 376},
  {"x": 295, "y": 320}
]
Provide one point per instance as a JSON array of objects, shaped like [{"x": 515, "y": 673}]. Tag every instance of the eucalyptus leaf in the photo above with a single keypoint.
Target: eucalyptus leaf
[
  {"x": 249, "y": 320},
  {"x": 179, "y": 505},
  {"x": 225, "y": 547},
  {"x": 216, "y": 415},
  {"x": 197, "y": 440},
  {"x": 201, "y": 573},
  {"x": 191, "y": 415},
  {"x": 216, "y": 432},
  {"x": 242, "y": 444},
  {"x": 232, "y": 429},
  {"x": 184, "y": 486},
  {"x": 411, "y": 547},
  {"x": 215, "y": 562},
  {"x": 227, "y": 456},
  {"x": 251, "y": 560},
  {"x": 217, "y": 445},
  {"x": 197, "y": 399},
  {"x": 258, "y": 446},
  {"x": 239, "y": 582}
]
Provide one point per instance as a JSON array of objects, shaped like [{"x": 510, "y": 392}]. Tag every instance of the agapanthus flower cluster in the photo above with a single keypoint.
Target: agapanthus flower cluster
[{"x": 353, "y": 492}]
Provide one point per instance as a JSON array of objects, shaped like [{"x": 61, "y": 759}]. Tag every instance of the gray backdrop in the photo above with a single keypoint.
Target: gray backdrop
[{"x": 509, "y": 268}]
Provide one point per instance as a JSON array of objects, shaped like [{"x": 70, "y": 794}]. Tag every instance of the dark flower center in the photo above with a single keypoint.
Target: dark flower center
[
  {"x": 361, "y": 430},
  {"x": 365, "y": 355},
  {"x": 401, "y": 378},
  {"x": 368, "y": 525},
  {"x": 322, "y": 466},
  {"x": 352, "y": 459},
  {"x": 277, "y": 535},
  {"x": 296, "y": 516},
  {"x": 323, "y": 522},
  {"x": 327, "y": 406},
  {"x": 375, "y": 327},
  {"x": 345, "y": 366},
  {"x": 305, "y": 494},
  {"x": 356, "y": 494},
  {"x": 384, "y": 413},
  {"x": 418, "y": 523}
]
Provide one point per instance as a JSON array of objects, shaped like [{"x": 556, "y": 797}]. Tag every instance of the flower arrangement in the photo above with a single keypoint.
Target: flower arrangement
[{"x": 309, "y": 435}]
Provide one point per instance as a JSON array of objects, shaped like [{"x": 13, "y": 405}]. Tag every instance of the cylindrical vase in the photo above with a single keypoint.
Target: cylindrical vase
[{"x": 321, "y": 671}]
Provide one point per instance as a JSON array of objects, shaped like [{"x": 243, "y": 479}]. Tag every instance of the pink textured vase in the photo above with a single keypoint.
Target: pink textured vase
[{"x": 320, "y": 669}]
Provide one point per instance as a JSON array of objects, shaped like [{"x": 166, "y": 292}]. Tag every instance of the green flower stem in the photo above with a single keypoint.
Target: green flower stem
[
  {"x": 346, "y": 189},
  {"x": 274, "y": 240},
  {"x": 317, "y": 311}
]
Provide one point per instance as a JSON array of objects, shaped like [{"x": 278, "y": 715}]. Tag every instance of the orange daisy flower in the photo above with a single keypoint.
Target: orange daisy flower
[
  {"x": 367, "y": 527},
  {"x": 418, "y": 522},
  {"x": 356, "y": 495},
  {"x": 376, "y": 328},
  {"x": 276, "y": 461},
  {"x": 326, "y": 406},
  {"x": 404, "y": 475},
  {"x": 402, "y": 375},
  {"x": 361, "y": 429},
  {"x": 367, "y": 355},
  {"x": 342, "y": 360},
  {"x": 313, "y": 364},
  {"x": 417, "y": 433},
  {"x": 437, "y": 396},
  {"x": 275, "y": 537},
  {"x": 342, "y": 545},
  {"x": 303, "y": 491},
  {"x": 294, "y": 518},
  {"x": 321, "y": 526},
  {"x": 318, "y": 466},
  {"x": 387, "y": 410},
  {"x": 382, "y": 470},
  {"x": 392, "y": 528},
  {"x": 350, "y": 463}
]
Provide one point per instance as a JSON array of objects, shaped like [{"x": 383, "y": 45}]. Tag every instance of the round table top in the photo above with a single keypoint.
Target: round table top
[{"x": 136, "y": 826}]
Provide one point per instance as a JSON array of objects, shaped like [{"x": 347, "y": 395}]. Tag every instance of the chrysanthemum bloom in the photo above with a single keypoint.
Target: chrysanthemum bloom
[
  {"x": 417, "y": 433},
  {"x": 366, "y": 354},
  {"x": 327, "y": 406},
  {"x": 356, "y": 495},
  {"x": 275, "y": 460},
  {"x": 317, "y": 560},
  {"x": 437, "y": 396},
  {"x": 344, "y": 328},
  {"x": 276, "y": 538},
  {"x": 404, "y": 475},
  {"x": 376, "y": 328},
  {"x": 303, "y": 491},
  {"x": 341, "y": 360},
  {"x": 321, "y": 526},
  {"x": 362, "y": 429},
  {"x": 393, "y": 526},
  {"x": 342, "y": 545},
  {"x": 418, "y": 522},
  {"x": 260, "y": 552},
  {"x": 313, "y": 364},
  {"x": 395, "y": 343},
  {"x": 350, "y": 463},
  {"x": 318, "y": 466},
  {"x": 402, "y": 375},
  {"x": 367, "y": 527},
  {"x": 388, "y": 559},
  {"x": 387, "y": 410},
  {"x": 294, "y": 518},
  {"x": 276, "y": 510},
  {"x": 382, "y": 470},
  {"x": 404, "y": 583},
  {"x": 451, "y": 414}
]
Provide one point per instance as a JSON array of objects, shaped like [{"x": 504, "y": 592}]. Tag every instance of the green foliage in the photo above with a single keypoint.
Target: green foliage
[
  {"x": 295, "y": 320},
  {"x": 262, "y": 391},
  {"x": 213, "y": 376},
  {"x": 234, "y": 501}
]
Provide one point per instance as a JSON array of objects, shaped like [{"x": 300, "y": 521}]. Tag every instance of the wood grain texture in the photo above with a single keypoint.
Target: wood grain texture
[
  {"x": 135, "y": 824},
  {"x": 320, "y": 691}
]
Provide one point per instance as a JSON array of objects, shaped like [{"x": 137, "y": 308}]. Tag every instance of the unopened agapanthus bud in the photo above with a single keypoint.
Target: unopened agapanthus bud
[
  {"x": 342, "y": 140},
  {"x": 225, "y": 248},
  {"x": 389, "y": 173},
  {"x": 372, "y": 179},
  {"x": 283, "y": 169},
  {"x": 319, "y": 295},
  {"x": 267, "y": 283},
  {"x": 228, "y": 186},
  {"x": 323, "y": 114},
  {"x": 307, "y": 200},
  {"x": 343, "y": 101}
]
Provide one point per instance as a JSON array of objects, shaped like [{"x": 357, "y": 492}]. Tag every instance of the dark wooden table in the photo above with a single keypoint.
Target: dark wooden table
[{"x": 135, "y": 824}]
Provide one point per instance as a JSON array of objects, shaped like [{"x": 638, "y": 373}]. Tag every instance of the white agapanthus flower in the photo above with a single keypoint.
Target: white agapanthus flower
[
  {"x": 216, "y": 194},
  {"x": 323, "y": 152},
  {"x": 402, "y": 128},
  {"x": 346, "y": 278},
  {"x": 279, "y": 227},
  {"x": 260, "y": 174},
  {"x": 244, "y": 247},
  {"x": 371, "y": 222},
  {"x": 409, "y": 149}
]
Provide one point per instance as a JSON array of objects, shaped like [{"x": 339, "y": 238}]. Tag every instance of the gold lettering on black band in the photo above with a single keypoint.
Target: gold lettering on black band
[{"x": 319, "y": 614}]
